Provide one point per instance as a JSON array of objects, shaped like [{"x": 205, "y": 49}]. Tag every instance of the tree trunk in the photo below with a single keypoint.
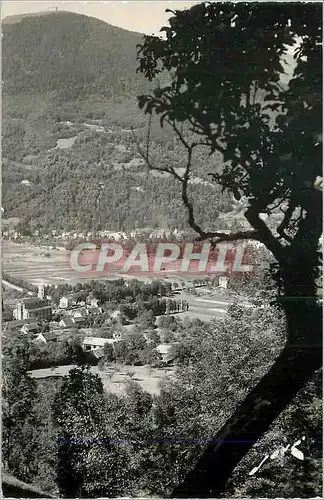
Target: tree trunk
[{"x": 297, "y": 363}]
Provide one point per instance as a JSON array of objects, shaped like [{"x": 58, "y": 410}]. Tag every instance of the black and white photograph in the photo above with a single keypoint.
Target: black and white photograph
[{"x": 161, "y": 249}]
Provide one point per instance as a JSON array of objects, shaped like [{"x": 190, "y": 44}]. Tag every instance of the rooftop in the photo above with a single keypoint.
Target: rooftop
[{"x": 98, "y": 341}]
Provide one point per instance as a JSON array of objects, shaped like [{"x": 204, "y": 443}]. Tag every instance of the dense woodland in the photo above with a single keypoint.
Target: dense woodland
[
  {"x": 151, "y": 442},
  {"x": 70, "y": 55},
  {"x": 100, "y": 182}
]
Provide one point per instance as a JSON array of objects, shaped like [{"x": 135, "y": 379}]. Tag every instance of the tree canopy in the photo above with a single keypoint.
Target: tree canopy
[
  {"x": 228, "y": 92},
  {"x": 225, "y": 63}
]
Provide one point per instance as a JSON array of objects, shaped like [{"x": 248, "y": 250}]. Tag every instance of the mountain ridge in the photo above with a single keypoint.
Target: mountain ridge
[{"x": 72, "y": 54}]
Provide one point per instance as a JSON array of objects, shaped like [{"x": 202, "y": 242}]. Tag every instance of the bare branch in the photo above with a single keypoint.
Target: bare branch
[
  {"x": 260, "y": 231},
  {"x": 218, "y": 237},
  {"x": 145, "y": 156}
]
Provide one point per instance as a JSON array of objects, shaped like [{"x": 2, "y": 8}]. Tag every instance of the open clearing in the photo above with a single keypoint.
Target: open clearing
[{"x": 114, "y": 376}]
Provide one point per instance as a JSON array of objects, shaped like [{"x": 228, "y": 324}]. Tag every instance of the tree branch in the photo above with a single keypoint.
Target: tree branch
[{"x": 265, "y": 235}]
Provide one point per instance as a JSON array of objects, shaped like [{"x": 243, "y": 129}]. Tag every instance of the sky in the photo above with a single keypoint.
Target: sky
[{"x": 142, "y": 16}]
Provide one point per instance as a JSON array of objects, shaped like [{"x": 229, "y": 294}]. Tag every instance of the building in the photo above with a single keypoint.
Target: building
[
  {"x": 93, "y": 343},
  {"x": 30, "y": 328},
  {"x": 41, "y": 291},
  {"x": 94, "y": 303},
  {"x": 222, "y": 281},
  {"x": 65, "y": 302},
  {"x": 79, "y": 321},
  {"x": 165, "y": 350},
  {"x": 81, "y": 313},
  {"x": 95, "y": 310},
  {"x": 33, "y": 308},
  {"x": 43, "y": 338},
  {"x": 66, "y": 323}
]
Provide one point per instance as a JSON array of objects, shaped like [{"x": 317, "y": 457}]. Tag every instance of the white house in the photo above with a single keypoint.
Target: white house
[
  {"x": 66, "y": 323},
  {"x": 222, "y": 281},
  {"x": 94, "y": 303},
  {"x": 65, "y": 302},
  {"x": 43, "y": 338},
  {"x": 30, "y": 328},
  {"x": 92, "y": 343},
  {"x": 164, "y": 351}
]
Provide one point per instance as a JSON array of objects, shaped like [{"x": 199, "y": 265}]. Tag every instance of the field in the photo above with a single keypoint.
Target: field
[
  {"x": 39, "y": 265},
  {"x": 115, "y": 376}
]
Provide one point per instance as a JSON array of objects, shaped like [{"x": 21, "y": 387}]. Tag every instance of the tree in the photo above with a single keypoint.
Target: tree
[
  {"x": 146, "y": 320},
  {"x": 269, "y": 138},
  {"x": 108, "y": 353},
  {"x": 18, "y": 418},
  {"x": 89, "y": 465}
]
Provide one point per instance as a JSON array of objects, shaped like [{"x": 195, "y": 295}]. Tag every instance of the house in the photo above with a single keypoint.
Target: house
[
  {"x": 65, "y": 302},
  {"x": 81, "y": 313},
  {"x": 53, "y": 325},
  {"x": 116, "y": 314},
  {"x": 92, "y": 343},
  {"x": 98, "y": 352},
  {"x": 95, "y": 310},
  {"x": 94, "y": 303},
  {"x": 43, "y": 338},
  {"x": 33, "y": 308},
  {"x": 222, "y": 281},
  {"x": 117, "y": 336},
  {"x": 66, "y": 323},
  {"x": 79, "y": 321},
  {"x": 31, "y": 328},
  {"x": 16, "y": 325},
  {"x": 165, "y": 351}
]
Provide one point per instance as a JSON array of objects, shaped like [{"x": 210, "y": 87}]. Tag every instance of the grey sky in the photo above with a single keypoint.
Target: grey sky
[{"x": 142, "y": 16}]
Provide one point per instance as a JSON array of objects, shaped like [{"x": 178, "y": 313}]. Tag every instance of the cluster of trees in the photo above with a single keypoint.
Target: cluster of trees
[
  {"x": 19, "y": 282},
  {"x": 71, "y": 437},
  {"x": 134, "y": 349},
  {"x": 73, "y": 177},
  {"x": 254, "y": 122},
  {"x": 66, "y": 350},
  {"x": 110, "y": 290},
  {"x": 31, "y": 127}
]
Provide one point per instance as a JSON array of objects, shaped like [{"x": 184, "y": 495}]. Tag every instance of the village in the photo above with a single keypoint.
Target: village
[{"x": 129, "y": 322}]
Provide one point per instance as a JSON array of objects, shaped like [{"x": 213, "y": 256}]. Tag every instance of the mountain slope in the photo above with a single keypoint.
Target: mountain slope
[
  {"x": 71, "y": 54},
  {"x": 71, "y": 77}
]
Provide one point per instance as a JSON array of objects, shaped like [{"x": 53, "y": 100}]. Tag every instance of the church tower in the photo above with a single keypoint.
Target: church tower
[{"x": 41, "y": 291}]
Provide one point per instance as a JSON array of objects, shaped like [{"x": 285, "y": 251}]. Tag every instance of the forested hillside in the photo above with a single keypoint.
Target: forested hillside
[
  {"x": 68, "y": 76},
  {"x": 71, "y": 55}
]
